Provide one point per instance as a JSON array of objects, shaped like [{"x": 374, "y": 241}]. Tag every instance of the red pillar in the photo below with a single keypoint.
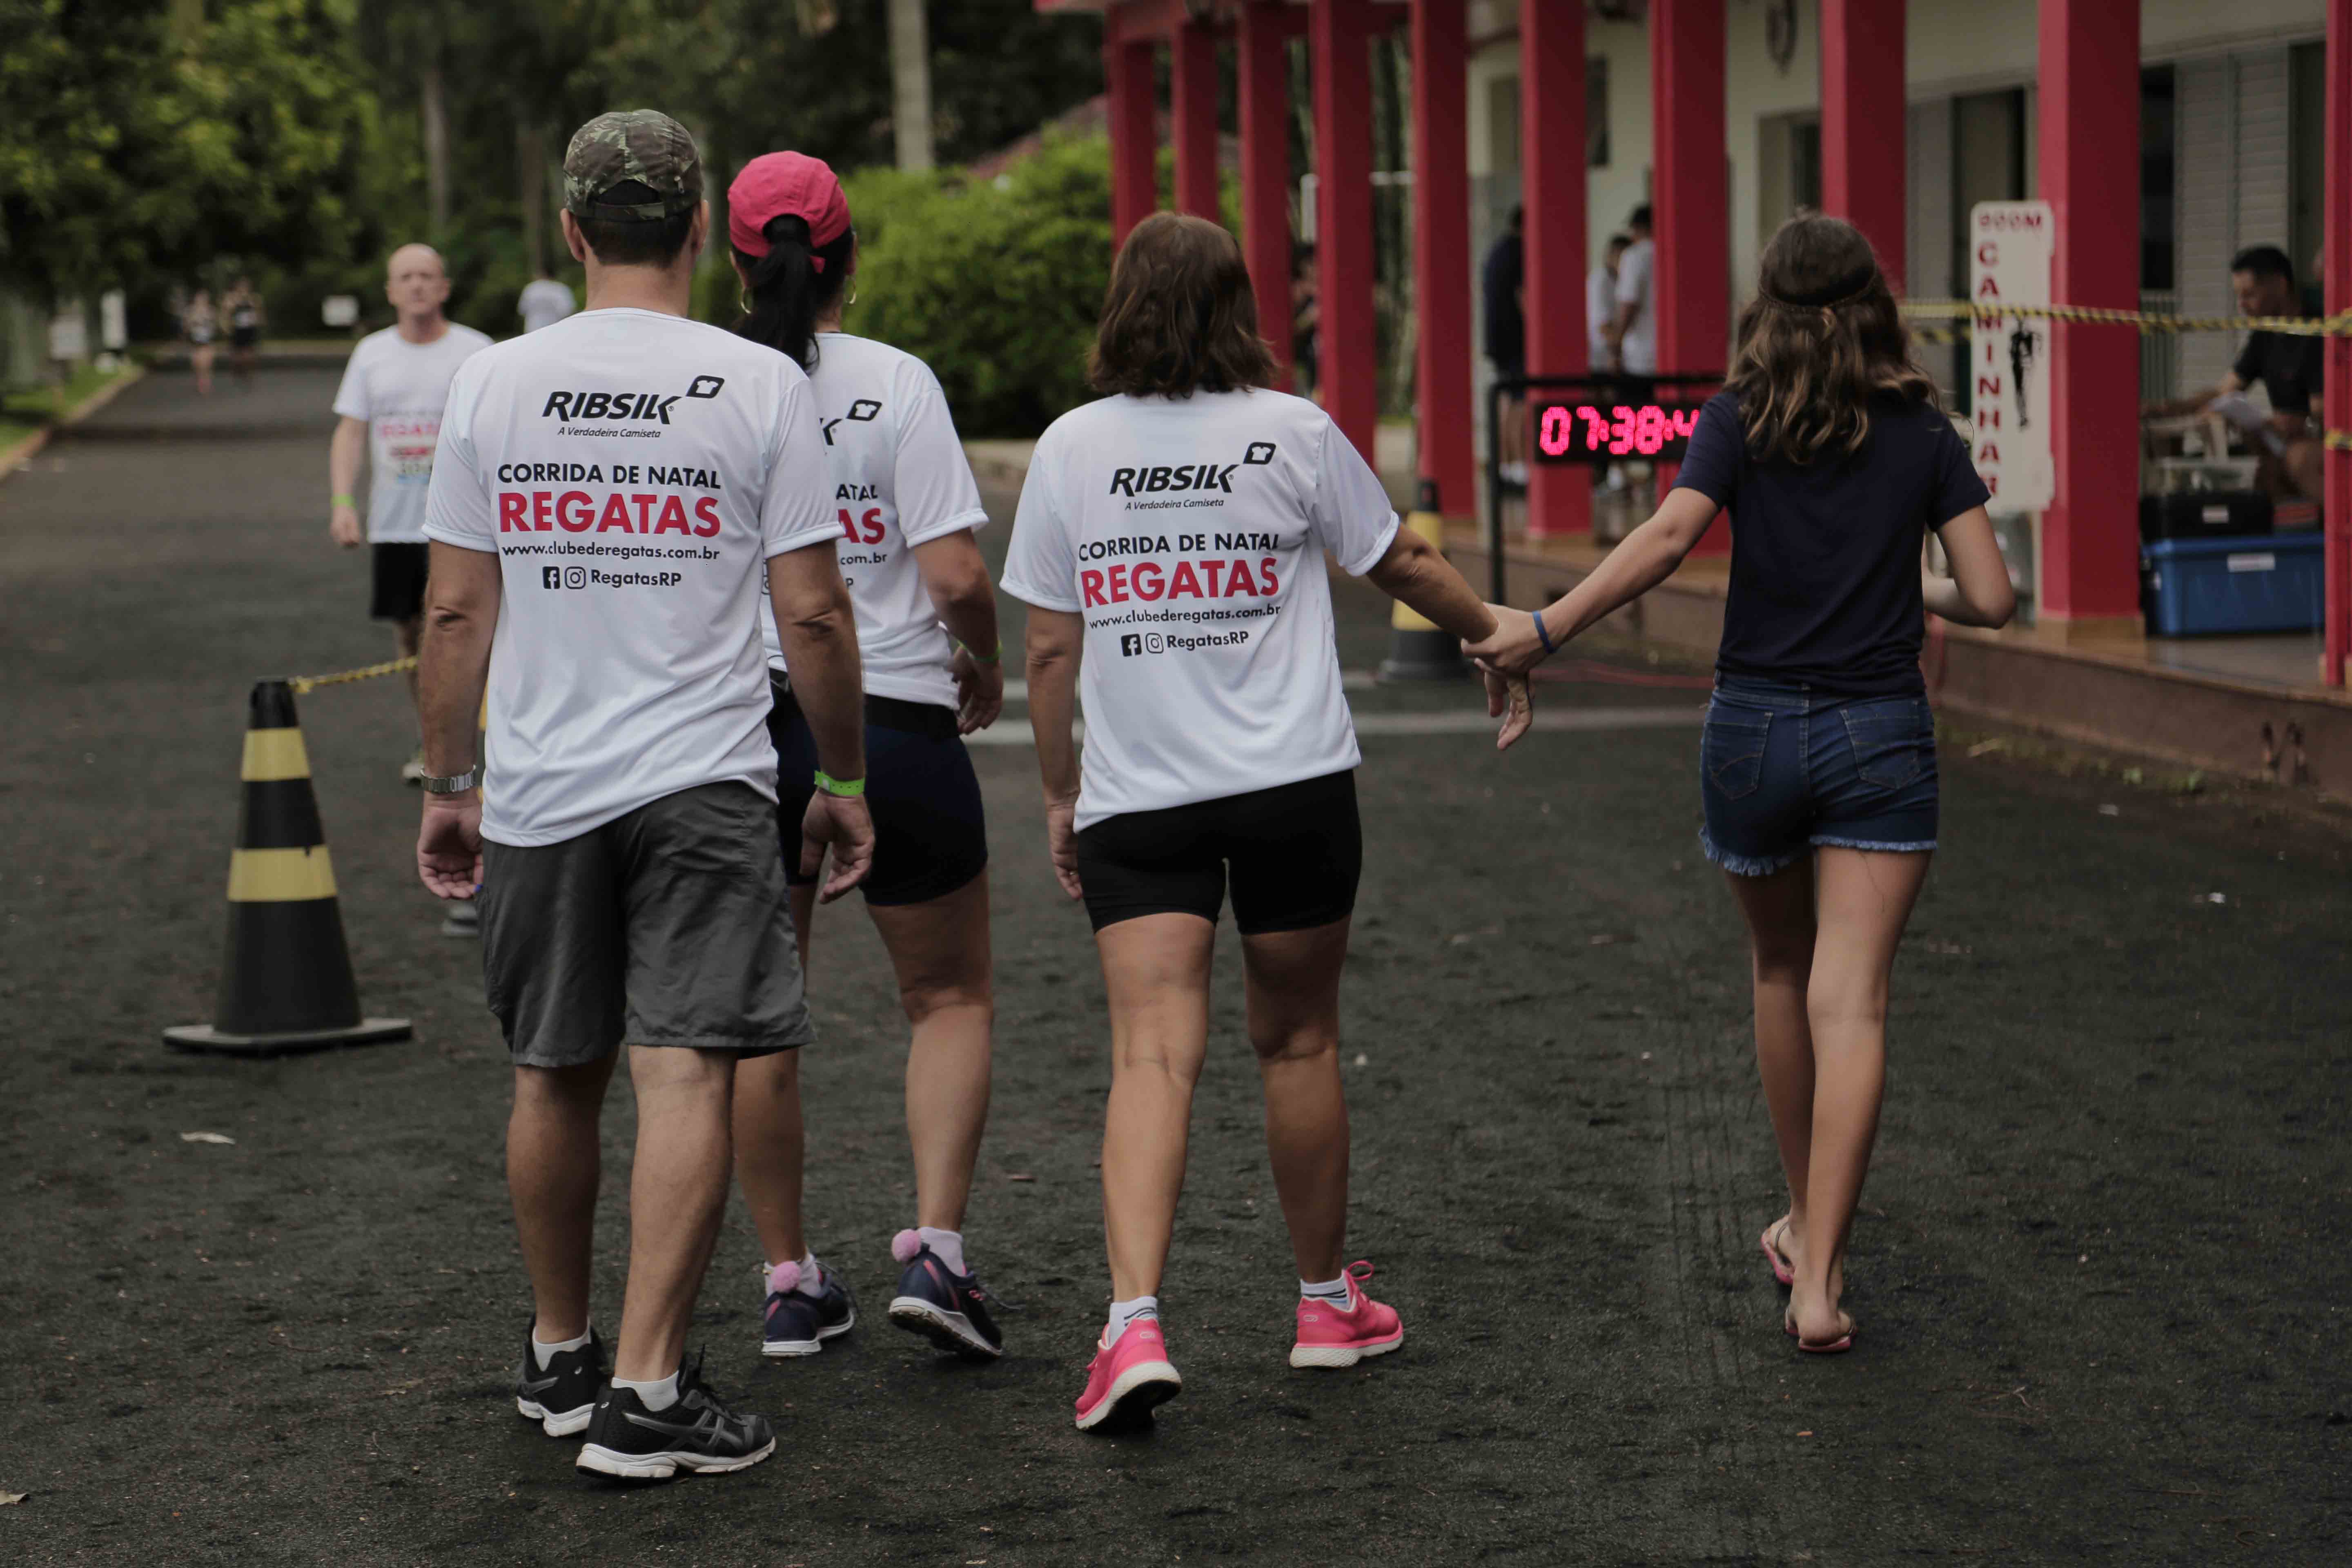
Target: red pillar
[
  {"x": 1862, "y": 123},
  {"x": 1263, "y": 69},
  {"x": 2090, "y": 147},
  {"x": 1690, "y": 185},
  {"x": 1192, "y": 88},
  {"x": 2336, "y": 505},
  {"x": 1339, "y": 35},
  {"x": 1551, "y": 160},
  {"x": 1134, "y": 134},
  {"x": 1441, "y": 251}
]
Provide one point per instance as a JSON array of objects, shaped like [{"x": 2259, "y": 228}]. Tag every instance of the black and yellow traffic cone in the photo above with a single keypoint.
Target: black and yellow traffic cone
[
  {"x": 286, "y": 984},
  {"x": 1418, "y": 648}
]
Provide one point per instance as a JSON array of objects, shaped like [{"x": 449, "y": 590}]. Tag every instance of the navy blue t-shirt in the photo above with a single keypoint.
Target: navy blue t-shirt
[{"x": 1825, "y": 557}]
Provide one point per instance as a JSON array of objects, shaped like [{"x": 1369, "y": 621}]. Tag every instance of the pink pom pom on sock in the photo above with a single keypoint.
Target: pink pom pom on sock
[
  {"x": 904, "y": 1245},
  {"x": 784, "y": 1276}
]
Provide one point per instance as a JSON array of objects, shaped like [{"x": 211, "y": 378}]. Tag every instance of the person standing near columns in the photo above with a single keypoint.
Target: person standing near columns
[
  {"x": 1818, "y": 762},
  {"x": 1633, "y": 333},
  {"x": 607, "y": 492}
]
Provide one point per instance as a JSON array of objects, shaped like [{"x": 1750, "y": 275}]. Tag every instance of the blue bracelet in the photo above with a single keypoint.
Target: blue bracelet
[{"x": 1544, "y": 636}]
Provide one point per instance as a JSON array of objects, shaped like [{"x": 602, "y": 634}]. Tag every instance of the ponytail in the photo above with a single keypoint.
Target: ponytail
[{"x": 791, "y": 286}]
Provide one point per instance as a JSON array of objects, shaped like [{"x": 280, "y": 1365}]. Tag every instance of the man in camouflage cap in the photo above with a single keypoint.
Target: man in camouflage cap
[{"x": 625, "y": 146}]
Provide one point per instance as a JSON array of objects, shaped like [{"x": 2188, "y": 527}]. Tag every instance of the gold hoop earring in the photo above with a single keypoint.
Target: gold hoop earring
[
  {"x": 853, "y": 293},
  {"x": 742, "y": 302}
]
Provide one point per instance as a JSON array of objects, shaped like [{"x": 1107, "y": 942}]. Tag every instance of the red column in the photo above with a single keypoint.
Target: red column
[
  {"x": 1551, "y": 161},
  {"x": 1441, "y": 251},
  {"x": 1134, "y": 135},
  {"x": 1192, "y": 88},
  {"x": 1263, "y": 69},
  {"x": 1862, "y": 123},
  {"x": 1339, "y": 36},
  {"x": 1690, "y": 189},
  {"x": 2336, "y": 505},
  {"x": 2090, "y": 147}
]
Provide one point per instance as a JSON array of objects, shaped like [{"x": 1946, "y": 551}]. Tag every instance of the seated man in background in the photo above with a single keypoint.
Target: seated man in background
[{"x": 2288, "y": 366}]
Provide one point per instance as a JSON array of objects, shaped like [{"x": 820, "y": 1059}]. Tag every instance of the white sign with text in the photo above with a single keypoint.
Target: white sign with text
[{"x": 2009, "y": 248}]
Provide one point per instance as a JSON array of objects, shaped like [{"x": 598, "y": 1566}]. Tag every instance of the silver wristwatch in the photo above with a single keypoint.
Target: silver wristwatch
[{"x": 459, "y": 785}]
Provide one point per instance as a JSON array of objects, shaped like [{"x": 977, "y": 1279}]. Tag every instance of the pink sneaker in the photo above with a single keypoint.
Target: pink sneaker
[
  {"x": 1329, "y": 1337},
  {"x": 1127, "y": 1380}
]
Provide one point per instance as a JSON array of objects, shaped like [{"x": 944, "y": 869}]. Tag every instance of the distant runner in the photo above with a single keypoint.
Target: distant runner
[
  {"x": 391, "y": 400},
  {"x": 543, "y": 301},
  {"x": 927, "y": 635},
  {"x": 605, "y": 495}
]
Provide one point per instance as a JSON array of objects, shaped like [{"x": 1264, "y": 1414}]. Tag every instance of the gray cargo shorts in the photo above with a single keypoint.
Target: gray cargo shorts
[{"x": 667, "y": 926}]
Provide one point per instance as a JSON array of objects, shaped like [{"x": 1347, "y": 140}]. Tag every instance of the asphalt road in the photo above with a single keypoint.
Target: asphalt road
[{"x": 2102, "y": 1271}]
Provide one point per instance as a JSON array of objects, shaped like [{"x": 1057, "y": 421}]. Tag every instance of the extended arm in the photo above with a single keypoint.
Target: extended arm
[
  {"x": 1056, "y": 638},
  {"x": 818, "y": 628},
  {"x": 1977, "y": 592},
  {"x": 461, "y": 615},
  {"x": 1647, "y": 558},
  {"x": 957, "y": 579},
  {"x": 345, "y": 452},
  {"x": 1415, "y": 571}
]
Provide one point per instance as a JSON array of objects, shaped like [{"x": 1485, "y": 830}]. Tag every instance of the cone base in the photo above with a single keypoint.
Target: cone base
[
  {"x": 1423, "y": 656},
  {"x": 204, "y": 1038}
]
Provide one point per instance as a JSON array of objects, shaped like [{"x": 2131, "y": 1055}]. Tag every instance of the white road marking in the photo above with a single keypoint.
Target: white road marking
[{"x": 1014, "y": 730}]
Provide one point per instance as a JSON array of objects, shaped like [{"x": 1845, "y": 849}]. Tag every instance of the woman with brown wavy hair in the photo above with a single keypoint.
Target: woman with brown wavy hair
[
  {"x": 1818, "y": 762},
  {"x": 1171, "y": 539}
]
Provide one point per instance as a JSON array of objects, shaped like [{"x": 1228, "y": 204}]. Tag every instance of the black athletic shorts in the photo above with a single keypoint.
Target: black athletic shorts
[
  {"x": 929, "y": 834},
  {"x": 399, "y": 591},
  {"x": 1296, "y": 852}
]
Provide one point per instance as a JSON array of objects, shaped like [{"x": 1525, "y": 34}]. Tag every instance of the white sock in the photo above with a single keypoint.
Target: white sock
[
  {"x": 812, "y": 1276},
  {"x": 1336, "y": 1291},
  {"x": 545, "y": 1354},
  {"x": 947, "y": 1246},
  {"x": 1123, "y": 1314},
  {"x": 658, "y": 1394}
]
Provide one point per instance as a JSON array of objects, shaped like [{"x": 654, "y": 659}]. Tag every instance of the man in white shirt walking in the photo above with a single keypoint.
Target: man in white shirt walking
[
  {"x": 607, "y": 493},
  {"x": 1634, "y": 329},
  {"x": 391, "y": 399},
  {"x": 544, "y": 302}
]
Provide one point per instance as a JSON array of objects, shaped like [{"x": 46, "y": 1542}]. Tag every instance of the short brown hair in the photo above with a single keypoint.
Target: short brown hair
[
  {"x": 1180, "y": 317},
  {"x": 1819, "y": 344}
]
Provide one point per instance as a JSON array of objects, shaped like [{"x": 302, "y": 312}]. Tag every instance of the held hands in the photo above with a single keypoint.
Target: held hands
[
  {"x": 343, "y": 526},
  {"x": 449, "y": 845},
  {"x": 1512, "y": 648},
  {"x": 1510, "y": 700},
  {"x": 1062, "y": 844},
  {"x": 842, "y": 822},
  {"x": 980, "y": 691}
]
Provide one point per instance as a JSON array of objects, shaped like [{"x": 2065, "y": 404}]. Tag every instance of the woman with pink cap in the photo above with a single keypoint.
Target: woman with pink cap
[{"x": 927, "y": 631}]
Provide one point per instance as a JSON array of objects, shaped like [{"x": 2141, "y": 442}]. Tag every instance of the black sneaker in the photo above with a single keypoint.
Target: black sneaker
[
  {"x": 560, "y": 1395},
  {"x": 796, "y": 1323},
  {"x": 948, "y": 1309},
  {"x": 629, "y": 1442}
]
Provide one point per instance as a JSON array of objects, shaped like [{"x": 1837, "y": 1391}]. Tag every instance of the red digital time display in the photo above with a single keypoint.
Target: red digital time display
[{"x": 1579, "y": 432}]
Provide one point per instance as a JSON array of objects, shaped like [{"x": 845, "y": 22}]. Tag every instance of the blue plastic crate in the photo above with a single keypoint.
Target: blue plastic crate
[{"x": 2259, "y": 583}]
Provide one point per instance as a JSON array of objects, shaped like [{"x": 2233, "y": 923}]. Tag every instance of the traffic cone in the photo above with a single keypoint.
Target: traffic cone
[
  {"x": 1418, "y": 648},
  {"x": 286, "y": 984}
]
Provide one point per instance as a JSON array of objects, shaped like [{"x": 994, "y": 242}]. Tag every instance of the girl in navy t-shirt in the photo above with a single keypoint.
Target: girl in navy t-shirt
[{"x": 1818, "y": 763}]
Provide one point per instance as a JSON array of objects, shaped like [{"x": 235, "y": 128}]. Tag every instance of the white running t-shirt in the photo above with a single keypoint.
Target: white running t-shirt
[
  {"x": 634, "y": 471},
  {"x": 544, "y": 302},
  {"x": 1636, "y": 285},
  {"x": 398, "y": 387},
  {"x": 1190, "y": 532},
  {"x": 900, "y": 479}
]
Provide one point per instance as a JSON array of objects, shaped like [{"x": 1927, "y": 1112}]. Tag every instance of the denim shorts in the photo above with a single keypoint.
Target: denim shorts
[{"x": 1785, "y": 768}]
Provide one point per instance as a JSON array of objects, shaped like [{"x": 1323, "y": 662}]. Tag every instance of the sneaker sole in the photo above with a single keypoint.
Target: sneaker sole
[
  {"x": 948, "y": 1331},
  {"x": 1138, "y": 1391},
  {"x": 555, "y": 1423},
  {"x": 661, "y": 1467},
  {"x": 1341, "y": 1356},
  {"x": 809, "y": 1347}
]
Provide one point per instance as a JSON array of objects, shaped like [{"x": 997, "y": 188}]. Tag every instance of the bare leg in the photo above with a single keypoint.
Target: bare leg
[
  {"x": 1862, "y": 899},
  {"x": 1293, "y": 1025},
  {"x": 676, "y": 1194},
  {"x": 1779, "y": 909},
  {"x": 941, "y": 950},
  {"x": 1156, "y": 969},
  {"x": 771, "y": 1151},
  {"x": 552, "y": 1165}
]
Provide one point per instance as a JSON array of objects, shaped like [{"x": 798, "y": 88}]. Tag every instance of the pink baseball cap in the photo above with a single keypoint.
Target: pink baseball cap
[{"x": 777, "y": 183}]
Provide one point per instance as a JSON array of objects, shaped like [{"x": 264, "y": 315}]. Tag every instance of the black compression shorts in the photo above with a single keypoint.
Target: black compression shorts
[
  {"x": 1294, "y": 852},
  {"x": 929, "y": 835}
]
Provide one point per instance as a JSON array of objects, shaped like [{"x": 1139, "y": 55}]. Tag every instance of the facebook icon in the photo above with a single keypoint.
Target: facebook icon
[
  {"x": 551, "y": 576},
  {"x": 1131, "y": 644}
]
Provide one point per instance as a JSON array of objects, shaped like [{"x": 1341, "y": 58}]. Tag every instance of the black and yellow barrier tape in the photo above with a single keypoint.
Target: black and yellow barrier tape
[
  {"x": 2335, "y": 326},
  {"x": 305, "y": 684}
]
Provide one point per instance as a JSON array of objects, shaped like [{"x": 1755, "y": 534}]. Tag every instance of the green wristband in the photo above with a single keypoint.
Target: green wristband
[
  {"x": 996, "y": 658},
  {"x": 849, "y": 789},
  {"x": 342, "y": 498}
]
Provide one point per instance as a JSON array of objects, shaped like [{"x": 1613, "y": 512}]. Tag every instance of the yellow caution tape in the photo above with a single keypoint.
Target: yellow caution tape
[
  {"x": 304, "y": 684},
  {"x": 2335, "y": 326}
]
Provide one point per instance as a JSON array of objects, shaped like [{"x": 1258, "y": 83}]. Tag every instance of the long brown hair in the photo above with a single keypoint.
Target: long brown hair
[
  {"x": 1819, "y": 344},
  {"x": 1179, "y": 316}
]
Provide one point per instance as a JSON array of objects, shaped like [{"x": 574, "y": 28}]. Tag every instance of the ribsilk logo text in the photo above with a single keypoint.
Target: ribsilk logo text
[
  {"x": 1184, "y": 477},
  {"x": 575, "y": 407}
]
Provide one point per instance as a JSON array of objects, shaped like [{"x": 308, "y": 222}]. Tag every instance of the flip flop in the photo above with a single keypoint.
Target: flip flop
[
  {"x": 1783, "y": 1271},
  {"x": 1838, "y": 1346}
]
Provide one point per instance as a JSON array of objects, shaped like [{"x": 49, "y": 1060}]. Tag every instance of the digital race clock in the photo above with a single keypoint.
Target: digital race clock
[{"x": 1597, "y": 429}]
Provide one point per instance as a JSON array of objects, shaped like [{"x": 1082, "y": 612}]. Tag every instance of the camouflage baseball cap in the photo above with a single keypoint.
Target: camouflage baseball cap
[{"x": 624, "y": 144}]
